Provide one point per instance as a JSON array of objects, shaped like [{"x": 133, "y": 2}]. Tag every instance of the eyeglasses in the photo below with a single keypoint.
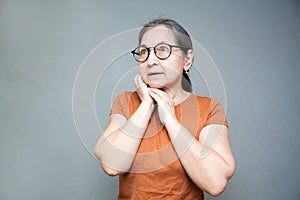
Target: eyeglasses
[{"x": 161, "y": 51}]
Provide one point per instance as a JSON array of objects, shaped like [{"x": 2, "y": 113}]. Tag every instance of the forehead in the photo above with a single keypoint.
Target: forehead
[{"x": 158, "y": 34}]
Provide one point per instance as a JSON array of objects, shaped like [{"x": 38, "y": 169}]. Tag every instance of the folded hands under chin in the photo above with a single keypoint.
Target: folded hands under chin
[
  {"x": 164, "y": 101},
  {"x": 165, "y": 105}
]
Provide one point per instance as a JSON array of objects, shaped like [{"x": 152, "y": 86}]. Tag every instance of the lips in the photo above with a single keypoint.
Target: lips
[{"x": 154, "y": 73}]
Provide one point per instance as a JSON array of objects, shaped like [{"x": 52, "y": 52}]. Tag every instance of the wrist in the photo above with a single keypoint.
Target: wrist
[
  {"x": 146, "y": 103},
  {"x": 172, "y": 123},
  {"x": 147, "y": 107}
]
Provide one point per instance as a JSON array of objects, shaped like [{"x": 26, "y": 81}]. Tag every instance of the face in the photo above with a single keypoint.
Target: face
[{"x": 163, "y": 74}]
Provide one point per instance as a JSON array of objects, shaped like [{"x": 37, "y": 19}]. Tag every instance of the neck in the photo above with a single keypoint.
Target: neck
[{"x": 178, "y": 95}]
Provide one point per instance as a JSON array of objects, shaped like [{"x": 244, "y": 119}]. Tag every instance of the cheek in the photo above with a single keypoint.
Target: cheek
[
  {"x": 141, "y": 71},
  {"x": 174, "y": 73},
  {"x": 175, "y": 68}
]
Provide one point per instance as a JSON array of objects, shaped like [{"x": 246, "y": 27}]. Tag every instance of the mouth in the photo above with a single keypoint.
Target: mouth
[{"x": 154, "y": 73}]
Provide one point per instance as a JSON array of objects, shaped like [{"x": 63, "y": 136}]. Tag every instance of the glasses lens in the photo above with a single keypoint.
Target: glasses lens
[
  {"x": 162, "y": 51},
  {"x": 140, "y": 54}
]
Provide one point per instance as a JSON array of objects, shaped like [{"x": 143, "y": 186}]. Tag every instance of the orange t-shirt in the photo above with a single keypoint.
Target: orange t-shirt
[{"x": 156, "y": 172}]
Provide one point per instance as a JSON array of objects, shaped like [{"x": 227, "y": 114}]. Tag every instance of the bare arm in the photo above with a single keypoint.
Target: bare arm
[
  {"x": 118, "y": 144},
  {"x": 208, "y": 161},
  {"x": 209, "y": 164},
  {"x": 117, "y": 147}
]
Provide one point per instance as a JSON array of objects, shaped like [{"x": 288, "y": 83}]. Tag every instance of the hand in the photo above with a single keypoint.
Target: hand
[
  {"x": 142, "y": 89},
  {"x": 165, "y": 104}
]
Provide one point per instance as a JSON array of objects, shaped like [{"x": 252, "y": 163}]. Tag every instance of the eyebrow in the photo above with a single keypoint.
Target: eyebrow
[{"x": 144, "y": 45}]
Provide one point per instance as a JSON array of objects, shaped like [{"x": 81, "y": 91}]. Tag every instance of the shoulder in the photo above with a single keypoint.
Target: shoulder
[
  {"x": 212, "y": 110},
  {"x": 206, "y": 100},
  {"x": 126, "y": 95},
  {"x": 124, "y": 102},
  {"x": 208, "y": 104},
  {"x": 127, "y": 98}
]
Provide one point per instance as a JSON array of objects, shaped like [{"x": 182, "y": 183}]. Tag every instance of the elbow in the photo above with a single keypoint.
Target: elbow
[
  {"x": 107, "y": 170},
  {"x": 217, "y": 187},
  {"x": 110, "y": 171},
  {"x": 110, "y": 164}
]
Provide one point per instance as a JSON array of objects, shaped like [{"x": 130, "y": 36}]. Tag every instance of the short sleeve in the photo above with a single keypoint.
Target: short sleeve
[
  {"x": 216, "y": 114},
  {"x": 121, "y": 104},
  {"x": 117, "y": 106}
]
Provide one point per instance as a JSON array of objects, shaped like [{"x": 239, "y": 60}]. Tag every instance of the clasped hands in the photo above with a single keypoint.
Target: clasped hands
[{"x": 165, "y": 101}]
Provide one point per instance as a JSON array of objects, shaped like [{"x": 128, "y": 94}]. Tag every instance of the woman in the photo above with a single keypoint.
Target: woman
[{"x": 162, "y": 140}]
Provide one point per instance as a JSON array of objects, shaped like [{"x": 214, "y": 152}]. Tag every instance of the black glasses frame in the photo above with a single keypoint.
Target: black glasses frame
[{"x": 134, "y": 53}]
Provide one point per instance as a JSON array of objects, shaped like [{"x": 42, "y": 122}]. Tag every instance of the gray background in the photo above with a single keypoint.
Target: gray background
[{"x": 255, "y": 45}]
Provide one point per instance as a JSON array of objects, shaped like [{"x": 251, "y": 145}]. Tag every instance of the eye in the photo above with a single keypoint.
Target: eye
[
  {"x": 163, "y": 48},
  {"x": 142, "y": 51}
]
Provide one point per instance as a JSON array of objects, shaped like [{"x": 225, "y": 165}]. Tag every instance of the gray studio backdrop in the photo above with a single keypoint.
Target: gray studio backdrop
[{"x": 254, "y": 44}]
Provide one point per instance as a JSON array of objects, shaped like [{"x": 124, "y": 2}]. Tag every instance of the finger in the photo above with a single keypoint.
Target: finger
[
  {"x": 135, "y": 80},
  {"x": 160, "y": 93},
  {"x": 157, "y": 91},
  {"x": 161, "y": 96},
  {"x": 139, "y": 84},
  {"x": 156, "y": 96},
  {"x": 152, "y": 94},
  {"x": 140, "y": 81}
]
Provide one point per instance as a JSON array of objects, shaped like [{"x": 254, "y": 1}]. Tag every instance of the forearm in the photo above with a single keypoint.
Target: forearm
[
  {"x": 117, "y": 149},
  {"x": 210, "y": 172}
]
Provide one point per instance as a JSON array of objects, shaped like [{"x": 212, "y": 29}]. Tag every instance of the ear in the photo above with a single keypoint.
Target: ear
[{"x": 188, "y": 60}]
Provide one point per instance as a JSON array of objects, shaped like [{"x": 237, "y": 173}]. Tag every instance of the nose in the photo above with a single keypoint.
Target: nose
[{"x": 152, "y": 59}]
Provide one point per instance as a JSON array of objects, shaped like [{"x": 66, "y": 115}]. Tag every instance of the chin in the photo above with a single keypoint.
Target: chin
[{"x": 156, "y": 85}]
